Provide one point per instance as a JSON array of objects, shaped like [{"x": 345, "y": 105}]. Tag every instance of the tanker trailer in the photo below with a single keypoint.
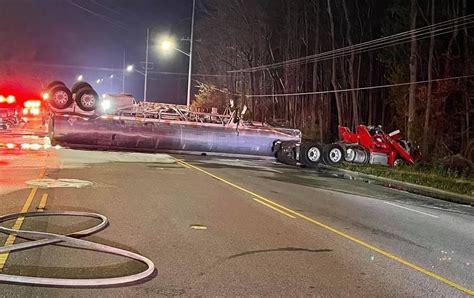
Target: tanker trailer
[{"x": 119, "y": 122}]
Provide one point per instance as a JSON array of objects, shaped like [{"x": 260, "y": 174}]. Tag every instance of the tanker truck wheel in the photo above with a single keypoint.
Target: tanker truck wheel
[
  {"x": 398, "y": 162},
  {"x": 54, "y": 84},
  {"x": 350, "y": 154},
  {"x": 333, "y": 154},
  {"x": 79, "y": 85},
  {"x": 86, "y": 99},
  {"x": 60, "y": 97},
  {"x": 311, "y": 154},
  {"x": 286, "y": 153}
]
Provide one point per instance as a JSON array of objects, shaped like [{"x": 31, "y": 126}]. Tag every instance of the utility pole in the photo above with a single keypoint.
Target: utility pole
[
  {"x": 146, "y": 63},
  {"x": 188, "y": 101}
]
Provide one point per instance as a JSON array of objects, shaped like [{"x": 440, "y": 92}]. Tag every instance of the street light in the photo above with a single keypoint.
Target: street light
[
  {"x": 191, "y": 56},
  {"x": 128, "y": 68},
  {"x": 168, "y": 44},
  {"x": 131, "y": 68}
]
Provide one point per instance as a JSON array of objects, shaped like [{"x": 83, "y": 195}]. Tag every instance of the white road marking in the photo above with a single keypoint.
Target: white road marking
[
  {"x": 413, "y": 210},
  {"x": 59, "y": 183},
  {"x": 272, "y": 170}
]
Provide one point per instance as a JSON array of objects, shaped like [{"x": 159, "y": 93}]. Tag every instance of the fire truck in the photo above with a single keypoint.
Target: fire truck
[
  {"x": 9, "y": 111},
  {"x": 18, "y": 104}
]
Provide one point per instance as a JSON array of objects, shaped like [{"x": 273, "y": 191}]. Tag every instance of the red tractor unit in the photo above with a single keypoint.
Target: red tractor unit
[
  {"x": 367, "y": 145},
  {"x": 372, "y": 145}
]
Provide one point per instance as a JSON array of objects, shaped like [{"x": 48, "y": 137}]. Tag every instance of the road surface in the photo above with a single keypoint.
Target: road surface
[{"x": 225, "y": 226}]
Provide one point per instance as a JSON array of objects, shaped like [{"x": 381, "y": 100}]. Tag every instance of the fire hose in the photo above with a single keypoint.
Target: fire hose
[{"x": 73, "y": 239}]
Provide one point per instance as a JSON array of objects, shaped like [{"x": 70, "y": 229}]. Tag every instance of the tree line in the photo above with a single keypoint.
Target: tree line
[{"x": 384, "y": 46}]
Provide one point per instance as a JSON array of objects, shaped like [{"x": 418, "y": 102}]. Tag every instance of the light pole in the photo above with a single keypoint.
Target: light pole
[
  {"x": 131, "y": 68},
  {"x": 190, "y": 72},
  {"x": 146, "y": 63},
  {"x": 169, "y": 44},
  {"x": 123, "y": 73}
]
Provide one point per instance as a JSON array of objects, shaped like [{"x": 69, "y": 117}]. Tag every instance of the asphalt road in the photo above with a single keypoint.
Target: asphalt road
[{"x": 226, "y": 226}]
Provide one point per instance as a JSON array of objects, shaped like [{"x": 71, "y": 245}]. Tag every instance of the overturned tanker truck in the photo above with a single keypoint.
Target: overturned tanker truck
[
  {"x": 79, "y": 119},
  {"x": 119, "y": 122}
]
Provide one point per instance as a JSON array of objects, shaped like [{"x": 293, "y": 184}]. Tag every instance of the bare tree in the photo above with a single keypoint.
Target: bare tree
[
  {"x": 466, "y": 72},
  {"x": 352, "y": 81},
  {"x": 333, "y": 65},
  {"x": 413, "y": 72},
  {"x": 430, "y": 82}
]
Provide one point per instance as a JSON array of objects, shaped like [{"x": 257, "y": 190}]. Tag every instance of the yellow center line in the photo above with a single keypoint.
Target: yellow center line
[
  {"x": 274, "y": 208},
  {"x": 19, "y": 222},
  {"x": 42, "y": 204},
  {"x": 184, "y": 165},
  {"x": 179, "y": 161},
  {"x": 340, "y": 233}
]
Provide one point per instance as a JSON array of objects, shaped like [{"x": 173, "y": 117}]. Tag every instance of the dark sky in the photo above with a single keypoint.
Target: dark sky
[{"x": 51, "y": 35}]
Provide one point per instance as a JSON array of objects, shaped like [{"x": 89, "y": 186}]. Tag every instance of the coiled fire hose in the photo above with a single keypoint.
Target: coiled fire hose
[{"x": 49, "y": 238}]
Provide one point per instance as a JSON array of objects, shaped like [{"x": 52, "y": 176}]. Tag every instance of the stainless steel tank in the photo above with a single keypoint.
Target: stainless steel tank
[{"x": 143, "y": 134}]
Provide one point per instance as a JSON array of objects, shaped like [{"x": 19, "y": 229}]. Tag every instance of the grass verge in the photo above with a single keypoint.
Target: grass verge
[{"x": 427, "y": 176}]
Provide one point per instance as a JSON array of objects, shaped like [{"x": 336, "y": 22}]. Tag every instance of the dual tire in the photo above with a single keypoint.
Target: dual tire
[
  {"x": 286, "y": 153},
  {"x": 61, "y": 97},
  {"x": 311, "y": 154},
  {"x": 334, "y": 154},
  {"x": 86, "y": 99}
]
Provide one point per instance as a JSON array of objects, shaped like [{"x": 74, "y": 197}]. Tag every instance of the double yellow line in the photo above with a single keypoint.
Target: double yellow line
[
  {"x": 293, "y": 214},
  {"x": 19, "y": 221}
]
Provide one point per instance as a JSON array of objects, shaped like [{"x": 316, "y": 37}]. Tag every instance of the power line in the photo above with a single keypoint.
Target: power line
[
  {"x": 117, "y": 12},
  {"x": 108, "y": 69},
  {"x": 185, "y": 74},
  {"x": 388, "y": 44},
  {"x": 392, "y": 40},
  {"x": 66, "y": 66},
  {"x": 127, "y": 12},
  {"x": 360, "y": 88},
  {"x": 346, "y": 51},
  {"x": 101, "y": 16}
]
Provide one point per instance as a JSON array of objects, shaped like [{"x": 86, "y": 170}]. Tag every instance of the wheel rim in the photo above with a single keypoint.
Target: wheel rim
[
  {"x": 335, "y": 155},
  {"x": 314, "y": 154},
  {"x": 350, "y": 154},
  {"x": 61, "y": 98},
  {"x": 397, "y": 162},
  {"x": 88, "y": 100}
]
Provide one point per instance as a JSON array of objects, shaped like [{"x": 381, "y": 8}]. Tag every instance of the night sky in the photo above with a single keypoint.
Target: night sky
[{"x": 43, "y": 39}]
